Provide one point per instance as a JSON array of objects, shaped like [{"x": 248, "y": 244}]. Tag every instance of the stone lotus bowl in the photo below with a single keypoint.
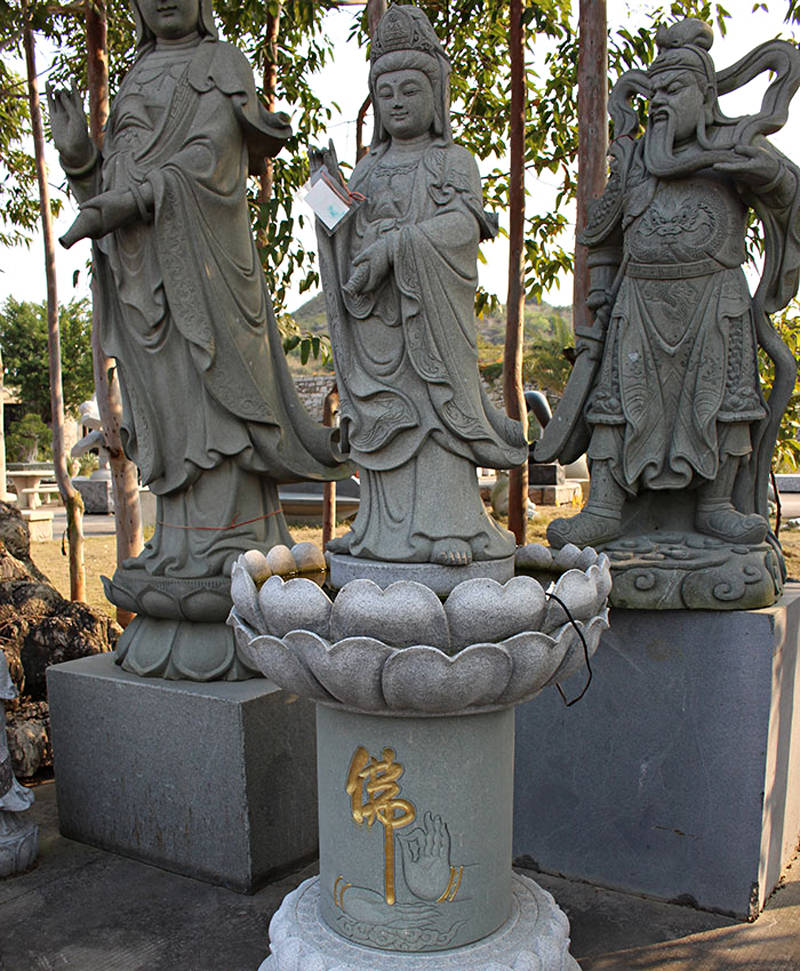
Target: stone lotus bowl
[{"x": 400, "y": 649}]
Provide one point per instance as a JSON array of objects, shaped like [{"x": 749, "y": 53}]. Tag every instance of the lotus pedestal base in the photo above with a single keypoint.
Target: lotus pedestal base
[
  {"x": 441, "y": 579},
  {"x": 154, "y": 647},
  {"x": 415, "y": 852},
  {"x": 536, "y": 935}
]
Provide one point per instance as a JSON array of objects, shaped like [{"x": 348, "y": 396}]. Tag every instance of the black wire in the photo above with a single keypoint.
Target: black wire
[{"x": 571, "y": 619}]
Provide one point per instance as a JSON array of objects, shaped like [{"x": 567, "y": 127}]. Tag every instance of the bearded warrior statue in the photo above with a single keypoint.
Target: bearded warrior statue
[{"x": 665, "y": 394}]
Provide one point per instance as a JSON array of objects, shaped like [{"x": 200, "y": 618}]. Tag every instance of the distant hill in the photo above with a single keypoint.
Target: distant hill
[{"x": 541, "y": 321}]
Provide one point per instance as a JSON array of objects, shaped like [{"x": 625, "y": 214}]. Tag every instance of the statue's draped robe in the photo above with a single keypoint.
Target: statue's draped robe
[
  {"x": 414, "y": 416},
  {"x": 678, "y": 388},
  {"x": 210, "y": 413}
]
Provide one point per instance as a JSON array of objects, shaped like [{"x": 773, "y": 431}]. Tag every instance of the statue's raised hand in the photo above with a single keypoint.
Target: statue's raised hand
[
  {"x": 753, "y": 165},
  {"x": 68, "y": 124}
]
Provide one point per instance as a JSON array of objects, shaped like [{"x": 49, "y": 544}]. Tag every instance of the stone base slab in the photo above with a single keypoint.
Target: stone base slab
[
  {"x": 556, "y": 495},
  {"x": 214, "y": 781},
  {"x": 441, "y": 579},
  {"x": 536, "y": 935},
  {"x": 675, "y": 571},
  {"x": 97, "y": 494},
  {"x": 40, "y": 524},
  {"x": 678, "y": 774}
]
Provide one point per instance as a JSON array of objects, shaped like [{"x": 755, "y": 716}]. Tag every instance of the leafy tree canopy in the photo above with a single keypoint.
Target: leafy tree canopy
[{"x": 23, "y": 339}]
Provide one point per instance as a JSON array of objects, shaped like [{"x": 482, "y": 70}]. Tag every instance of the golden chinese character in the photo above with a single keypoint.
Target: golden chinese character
[{"x": 378, "y": 778}]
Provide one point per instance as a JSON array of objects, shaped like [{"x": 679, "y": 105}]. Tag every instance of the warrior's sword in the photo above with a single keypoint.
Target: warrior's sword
[{"x": 564, "y": 437}]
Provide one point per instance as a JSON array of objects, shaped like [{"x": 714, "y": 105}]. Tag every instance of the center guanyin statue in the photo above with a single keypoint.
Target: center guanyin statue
[{"x": 399, "y": 275}]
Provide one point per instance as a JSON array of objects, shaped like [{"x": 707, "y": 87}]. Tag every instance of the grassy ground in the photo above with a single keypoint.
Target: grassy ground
[{"x": 100, "y": 554}]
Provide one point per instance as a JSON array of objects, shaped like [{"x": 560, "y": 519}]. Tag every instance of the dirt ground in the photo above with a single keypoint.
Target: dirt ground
[{"x": 100, "y": 553}]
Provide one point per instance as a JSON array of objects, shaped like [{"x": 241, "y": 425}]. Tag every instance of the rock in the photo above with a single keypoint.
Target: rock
[
  {"x": 28, "y": 732},
  {"x": 38, "y": 627}
]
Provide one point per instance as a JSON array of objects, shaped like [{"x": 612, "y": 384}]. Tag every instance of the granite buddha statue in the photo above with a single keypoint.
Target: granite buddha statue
[{"x": 399, "y": 276}]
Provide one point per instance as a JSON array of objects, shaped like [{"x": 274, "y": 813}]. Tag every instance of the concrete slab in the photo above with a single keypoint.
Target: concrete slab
[
  {"x": 217, "y": 781},
  {"x": 82, "y": 907},
  {"x": 678, "y": 774}
]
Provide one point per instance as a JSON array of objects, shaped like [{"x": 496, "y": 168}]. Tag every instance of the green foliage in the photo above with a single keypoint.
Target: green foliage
[
  {"x": 29, "y": 440},
  {"x": 786, "y": 457},
  {"x": 302, "y": 50},
  {"x": 23, "y": 338},
  {"x": 304, "y": 344},
  {"x": 19, "y": 205}
]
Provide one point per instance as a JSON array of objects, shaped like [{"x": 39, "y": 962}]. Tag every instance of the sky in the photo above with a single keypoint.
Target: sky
[{"x": 22, "y": 269}]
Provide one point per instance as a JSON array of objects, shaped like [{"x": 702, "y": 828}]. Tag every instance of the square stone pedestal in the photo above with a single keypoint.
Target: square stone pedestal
[
  {"x": 678, "y": 774},
  {"x": 40, "y": 524},
  {"x": 216, "y": 781}
]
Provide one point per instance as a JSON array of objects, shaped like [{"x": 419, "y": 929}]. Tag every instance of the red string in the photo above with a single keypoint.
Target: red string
[{"x": 245, "y": 522}]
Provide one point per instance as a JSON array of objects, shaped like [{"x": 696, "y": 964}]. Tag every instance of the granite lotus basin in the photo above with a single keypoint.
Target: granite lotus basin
[{"x": 400, "y": 649}]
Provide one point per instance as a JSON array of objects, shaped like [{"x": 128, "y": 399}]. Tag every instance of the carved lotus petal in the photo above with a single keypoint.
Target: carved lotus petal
[
  {"x": 579, "y": 593},
  {"x": 280, "y": 560},
  {"x": 603, "y": 578},
  {"x": 534, "y": 556},
  {"x": 567, "y": 557},
  {"x": 587, "y": 558},
  {"x": 570, "y": 644},
  {"x": 297, "y": 604},
  {"x": 536, "y": 657},
  {"x": 244, "y": 594},
  {"x": 255, "y": 562},
  {"x": 350, "y": 669},
  {"x": 308, "y": 557},
  {"x": 485, "y": 610},
  {"x": 425, "y": 679},
  {"x": 406, "y": 613},
  {"x": 278, "y": 662}
]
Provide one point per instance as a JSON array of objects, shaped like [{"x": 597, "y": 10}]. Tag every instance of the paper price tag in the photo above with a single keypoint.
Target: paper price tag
[{"x": 327, "y": 204}]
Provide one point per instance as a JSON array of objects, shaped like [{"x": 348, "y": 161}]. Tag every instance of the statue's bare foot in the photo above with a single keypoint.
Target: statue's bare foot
[
  {"x": 729, "y": 524},
  {"x": 586, "y": 529},
  {"x": 340, "y": 544},
  {"x": 451, "y": 552}
]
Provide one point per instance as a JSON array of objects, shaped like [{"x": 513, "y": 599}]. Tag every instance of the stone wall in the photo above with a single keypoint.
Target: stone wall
[{"x": 312, "y": 390}]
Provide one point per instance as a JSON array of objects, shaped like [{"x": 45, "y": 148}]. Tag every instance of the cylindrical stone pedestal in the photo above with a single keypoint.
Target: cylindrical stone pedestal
[{"x": 415, "y": 827}]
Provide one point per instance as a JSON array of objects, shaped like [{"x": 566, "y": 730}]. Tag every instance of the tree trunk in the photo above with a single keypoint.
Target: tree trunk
[
  {"x": 375, "y": 10},
  {"x": 329, "y": 410},
  {"x": 124, "y": 475},
  {"x": 592, "y": 136},
  {"x": 3, "y": 483},
  {"x": 72, "y": 498},
  {"x": 361, "y": 148},
  {"x": 270, "y": 89},
  {"x": 515, "y": 307}
]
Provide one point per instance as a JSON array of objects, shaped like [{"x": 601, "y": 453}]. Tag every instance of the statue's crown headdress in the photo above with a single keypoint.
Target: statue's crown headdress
[
  {"x": 405, "y": 28},
  {"x": 685, "y": 46}
]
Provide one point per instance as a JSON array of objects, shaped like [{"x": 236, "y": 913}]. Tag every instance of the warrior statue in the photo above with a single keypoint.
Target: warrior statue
[
  {"x": 665, "y": 391},
  {"x": 399, "y": 277}
]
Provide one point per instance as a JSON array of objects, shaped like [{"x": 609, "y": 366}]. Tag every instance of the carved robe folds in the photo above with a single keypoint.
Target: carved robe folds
[
  {"x": 415, "y": 418},
  {"x": 678, "y": 384}
]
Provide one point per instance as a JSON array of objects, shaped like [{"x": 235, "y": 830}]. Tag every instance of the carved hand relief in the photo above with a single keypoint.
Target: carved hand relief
[{"x": 410, "y": 910}]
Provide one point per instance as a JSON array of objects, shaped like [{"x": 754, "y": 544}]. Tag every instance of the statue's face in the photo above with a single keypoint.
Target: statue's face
[
  {"x": 170, "y": 19},
  {"x": 405, "y": 102},
  {"x": 677, "y": 97}
]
